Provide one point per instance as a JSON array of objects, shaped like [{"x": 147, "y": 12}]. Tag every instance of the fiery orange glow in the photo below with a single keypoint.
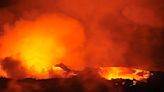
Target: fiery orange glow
[
  {"x": 2, "y": 73},
  {"x": 42, "y": 43},
  {"x": 110, "y": 73}
]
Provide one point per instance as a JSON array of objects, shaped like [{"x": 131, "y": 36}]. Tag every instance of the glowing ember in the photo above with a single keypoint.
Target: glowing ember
[
  {"x": 2, "y": 73},
  {"x": 42, "y": 43},
  {"x": 110, "y": 73}
]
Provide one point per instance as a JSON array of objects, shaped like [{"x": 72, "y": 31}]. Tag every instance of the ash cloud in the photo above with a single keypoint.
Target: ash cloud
[
  {"x": 119, "y": 33},
  {"x": 13, "y": 68}
]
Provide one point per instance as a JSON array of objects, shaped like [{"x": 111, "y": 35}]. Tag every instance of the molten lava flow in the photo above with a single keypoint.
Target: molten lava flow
[
  {"x": 110, "y": 73},
  {"x": 42, "y": 43}
]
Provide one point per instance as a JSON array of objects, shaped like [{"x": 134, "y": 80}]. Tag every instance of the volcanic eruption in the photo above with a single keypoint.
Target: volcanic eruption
[
  {"x": 40, "y": 44},
  {"x": 81, "y": 46}
]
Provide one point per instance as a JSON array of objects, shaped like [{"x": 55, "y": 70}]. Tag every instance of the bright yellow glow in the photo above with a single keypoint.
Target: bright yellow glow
[
  {"x": 42, "y": 43},
  {"x": 40, "y": 51},
  {"x": 58, "y": 71},
  {"x": 123, "y": 73}
]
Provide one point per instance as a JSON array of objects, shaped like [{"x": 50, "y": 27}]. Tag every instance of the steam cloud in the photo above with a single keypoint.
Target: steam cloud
[{"x": 118, "y": 32}]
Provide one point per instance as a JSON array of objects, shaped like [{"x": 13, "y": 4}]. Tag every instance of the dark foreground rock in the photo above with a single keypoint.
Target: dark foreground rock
[{"x": 83, "y": 83}]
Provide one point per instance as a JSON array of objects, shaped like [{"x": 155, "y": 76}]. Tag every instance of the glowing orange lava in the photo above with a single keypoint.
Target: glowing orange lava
[
  {"x": 42, "y": 43},
  {"x": 110, "y": 73},
  {"x": 2, "y": 73}
]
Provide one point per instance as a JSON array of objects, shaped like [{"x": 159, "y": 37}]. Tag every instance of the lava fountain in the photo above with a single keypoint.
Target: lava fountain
[{"x": 42, "y": 43}]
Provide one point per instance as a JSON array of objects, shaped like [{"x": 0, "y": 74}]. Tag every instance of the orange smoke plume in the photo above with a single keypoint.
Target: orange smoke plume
[
  {"x": 117, "y": 33},
  {"x": 42, "y": 43}
]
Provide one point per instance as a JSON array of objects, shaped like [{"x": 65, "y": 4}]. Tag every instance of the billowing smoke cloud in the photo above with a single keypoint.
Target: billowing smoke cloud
[
  {"x": 121, "y": 33},
  {"x": 42, "y": 43},
  {"x": 13, "y": 68},
  {"x": 118, "y": 33}
]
